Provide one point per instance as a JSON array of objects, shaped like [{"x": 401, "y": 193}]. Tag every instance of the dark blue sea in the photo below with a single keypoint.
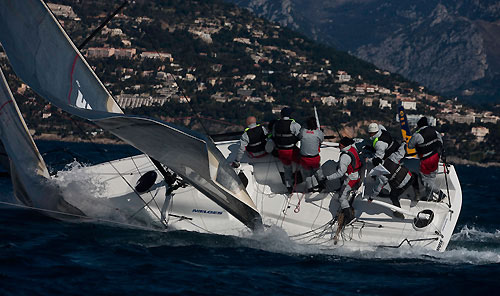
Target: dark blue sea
[{"x": 43, "y": 256}]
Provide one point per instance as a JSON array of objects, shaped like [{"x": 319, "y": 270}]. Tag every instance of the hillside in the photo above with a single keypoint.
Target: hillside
[
  {"x": 208, "y": 65},
  {"x": 449, "y": 46}
]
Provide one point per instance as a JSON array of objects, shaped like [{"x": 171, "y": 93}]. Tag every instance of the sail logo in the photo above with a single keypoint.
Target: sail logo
[
  {"x": 207, "y": 212},
  {"x": 80, "y": 101}
]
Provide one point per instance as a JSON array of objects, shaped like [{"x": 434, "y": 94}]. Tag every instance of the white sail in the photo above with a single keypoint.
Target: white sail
[
  {"x": 191, "y": 156},
  {"x": 46, "y": 59},
  {"x": 27, "y": 169}
]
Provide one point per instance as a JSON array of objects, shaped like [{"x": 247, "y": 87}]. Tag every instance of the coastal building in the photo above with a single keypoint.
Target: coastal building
[
  {"x": 383, "y": 103},
  {"x": 100, "y": 52},
  {"x": 342, "y": 76},
  {"x": 368, "y": 102},
  {"x": 409, "y": 104},
  {"x": 458, "y": 118},
  {"x": 157, "y": 55},
  {"x": 60, "y": 10},
  {"x": 124, "y": 53},
  {"x": 329, "y": 101},
  {"x": 480, "y": 132},
  {"x": 135, "y": 100},
  {"x": 414, "y": 118}
]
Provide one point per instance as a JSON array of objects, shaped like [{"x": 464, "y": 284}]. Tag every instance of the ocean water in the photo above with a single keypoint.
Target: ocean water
[{"x": 43, "y": 256}]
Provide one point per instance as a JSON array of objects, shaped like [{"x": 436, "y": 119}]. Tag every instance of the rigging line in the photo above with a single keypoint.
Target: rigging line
[
  {"x": 446, "y": 172},
  {"x": 199, "y": 215},
  {"x": 409, "y": 241},
  {"x": 137, "y": 193},
  {"x": 150, "y": 193},
  {"x": 78, "y": 49},
  {"x": 182, "y": 91},
  {"x": 104, "y": 23},
  {"x": 91, "y": 219},
  {"x": 107, "y": 20},
  {"x": 114, "y": 167},
  {"x": 311, "y": 231},
  {"x": 146, "y": 205},
  {"x": 82, "y": 217}
]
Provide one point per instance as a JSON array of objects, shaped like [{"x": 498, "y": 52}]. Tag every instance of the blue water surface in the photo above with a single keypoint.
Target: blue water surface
[{"x": 43, "y": 256}]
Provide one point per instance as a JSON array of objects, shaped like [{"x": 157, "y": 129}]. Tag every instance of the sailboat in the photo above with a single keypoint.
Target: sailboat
[{"x": 183, "y": 181}]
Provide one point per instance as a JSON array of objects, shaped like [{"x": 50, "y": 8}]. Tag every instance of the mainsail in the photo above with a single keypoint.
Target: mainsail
[{"x": 46, "y": 59}]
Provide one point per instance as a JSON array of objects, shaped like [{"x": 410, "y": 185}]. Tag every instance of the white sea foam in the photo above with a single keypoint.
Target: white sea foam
[
  {"x": 276, "y": 240},
  {"x": 474, "y": 234},
  {"x": 86, "y": 192}
]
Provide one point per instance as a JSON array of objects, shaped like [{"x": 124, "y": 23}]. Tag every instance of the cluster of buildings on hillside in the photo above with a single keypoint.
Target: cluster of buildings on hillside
[{"x": 351, "y": 89}]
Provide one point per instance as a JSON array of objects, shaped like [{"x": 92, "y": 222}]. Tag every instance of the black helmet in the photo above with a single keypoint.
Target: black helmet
[
  {"x": 346, "y": 141},
  {"x": 286, "y": 112},
  {"x": 422, "y": 122}
]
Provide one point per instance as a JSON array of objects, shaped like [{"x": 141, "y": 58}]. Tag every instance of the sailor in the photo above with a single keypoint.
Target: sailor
[
  {"x": 285, "y": 135},
  {"x": 311, "y": 138},
  {"x": 399, "y": 179},
  {"x": 429, "y": 145},
  {"x": 253, "y": 141},
  {"x": 348, "y": 169},
  {"x": 384, "y": 144}
]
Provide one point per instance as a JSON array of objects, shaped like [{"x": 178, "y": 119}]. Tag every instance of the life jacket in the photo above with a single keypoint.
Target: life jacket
[
  {"x": 355, "y": 164},
  {"x": 431, "y": 143},
  {"x": 283, "y": 137},
  {"x": 257, "y": 139},
  {"x": 397, "y": 173},
  {"x": 386, "y": 138}
]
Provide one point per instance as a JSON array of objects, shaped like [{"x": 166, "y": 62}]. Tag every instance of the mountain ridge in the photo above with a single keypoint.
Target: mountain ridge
[{"x": 449, "y": 46}]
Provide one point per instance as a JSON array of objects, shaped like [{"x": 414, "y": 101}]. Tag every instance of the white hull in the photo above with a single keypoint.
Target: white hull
[{"x": 306, "y": 217}]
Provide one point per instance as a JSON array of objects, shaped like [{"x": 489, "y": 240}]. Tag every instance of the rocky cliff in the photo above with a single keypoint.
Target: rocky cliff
[{"x": 451, "y": 46}]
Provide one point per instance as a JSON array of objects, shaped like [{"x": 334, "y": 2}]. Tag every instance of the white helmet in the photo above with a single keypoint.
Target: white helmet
[{"x": 373, "y": 127}]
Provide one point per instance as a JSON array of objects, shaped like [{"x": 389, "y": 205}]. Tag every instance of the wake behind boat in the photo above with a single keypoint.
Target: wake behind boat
[{"x": 153, "y": 188}]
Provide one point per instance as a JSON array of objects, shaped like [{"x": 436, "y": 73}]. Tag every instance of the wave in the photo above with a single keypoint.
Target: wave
[
  {"x": 472, "y": 234},
  {"x": 463, "y": 248},
  {"x": 470, "y": 245}
]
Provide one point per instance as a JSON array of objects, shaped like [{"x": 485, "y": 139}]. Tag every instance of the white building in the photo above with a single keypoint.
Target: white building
[
  {"x": 342, "y": 76},
  {"x": 384, "y": 104},
  {"x": 468, "y": 119},
  {"x": 134, "y": 101},
  {"x": 157, "y": 55},
  {"x": 480, "y": 132},
  {"x": 409, "y": 104},
  {"x": 100, "y": 52},
  {"x": 62, "y": 10},
  {"x": 329, "y": 101},
  {"x": 368, "y": 102},
  {"x": 414, "y": 118},
  {"x": 124, "y": 53}
]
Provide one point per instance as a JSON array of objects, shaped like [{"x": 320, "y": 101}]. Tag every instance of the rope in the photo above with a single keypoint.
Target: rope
[
  {"x": 79, "y": 216},
  {"x": 150, "y": 193},
  {"x": 181, "y": 90}
]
